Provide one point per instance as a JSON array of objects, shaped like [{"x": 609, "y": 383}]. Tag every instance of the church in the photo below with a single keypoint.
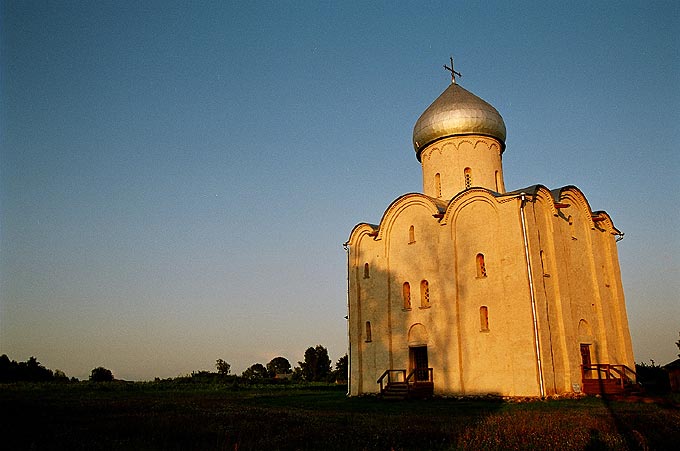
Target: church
[{"x": 470, "y": 289}]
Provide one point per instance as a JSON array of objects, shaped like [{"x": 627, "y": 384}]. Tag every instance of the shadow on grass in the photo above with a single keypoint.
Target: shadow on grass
[{"x": 146, "y": 417}]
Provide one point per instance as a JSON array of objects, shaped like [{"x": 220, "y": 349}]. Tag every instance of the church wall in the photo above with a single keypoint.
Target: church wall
[
  {"x": 578, "y": 285},
  {"x": 580, "y": 295},
  {"x": 501, "y": 360},
  {"x": 625, "y": 354},
  {"x": 554, "y": 313},
  {"x": 369, "y": 354},
  {"x": 414, "y": 258},
  {"x": 450, "y": 156},
  {"x": 577, "y": 288},
  {"x": 619, "y": 350}
]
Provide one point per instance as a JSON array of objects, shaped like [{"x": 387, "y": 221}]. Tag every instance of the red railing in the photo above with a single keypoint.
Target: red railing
[{"x": 619, "y": 374}]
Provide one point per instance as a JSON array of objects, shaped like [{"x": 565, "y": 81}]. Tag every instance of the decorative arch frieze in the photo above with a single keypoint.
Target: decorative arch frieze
[
  {"x": 440, "y": 146},
  {"x": 606, "y": 224},
  {"x": 543, "y": 193},
  {"x": 428, "y": 152},
  {"x": 573, "y": 196}
]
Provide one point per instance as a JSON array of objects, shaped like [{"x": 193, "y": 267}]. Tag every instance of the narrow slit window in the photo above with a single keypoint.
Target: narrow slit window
[
  {"x": 468, "y": 178},
  {"x": 438, "y": 184},
  {"x": 544, "y": 264},
  {"x": 411, "y": 235},
  {"x": 484, "y": 318},
  {"x": 424, "y": 294},
  {"x": 406, "y": 292},
  {"x": 367, "y": 272},
  {"x": 481, "y": 266},
  {"x": 368, "y": 332},
  {"x": 498, "y": 182}
]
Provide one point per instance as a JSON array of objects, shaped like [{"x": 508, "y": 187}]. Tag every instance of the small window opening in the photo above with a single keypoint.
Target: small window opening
[
  {"x": 424, "y": 294},
  {"x": 481, "y": 267},
  {"x": 411, "y": 235},
  {"x": 544, "y": 265},
  {"x": 468, "y": 178},
  {"x": 406, "y": 292},
  {"x": 484, "y": 318},
  {"x": 438, "y": 184},
  {"x": 367, "y": 273},
  {"x": 368, "y": 332},
  {"x": 498, "y": 182}
]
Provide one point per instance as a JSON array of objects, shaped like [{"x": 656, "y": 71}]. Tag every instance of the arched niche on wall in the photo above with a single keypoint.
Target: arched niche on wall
[{"x": 417, "y": 335}]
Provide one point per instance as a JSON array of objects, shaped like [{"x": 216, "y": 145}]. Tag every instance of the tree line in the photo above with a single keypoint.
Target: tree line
[{"x": 315, "y": 367}]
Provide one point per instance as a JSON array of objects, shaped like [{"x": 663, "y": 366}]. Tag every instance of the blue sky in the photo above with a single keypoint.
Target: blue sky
[{"x": 177, "y": 179}]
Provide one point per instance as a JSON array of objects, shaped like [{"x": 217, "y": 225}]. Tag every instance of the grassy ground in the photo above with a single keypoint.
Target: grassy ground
[{"x": 153, "y": 416}]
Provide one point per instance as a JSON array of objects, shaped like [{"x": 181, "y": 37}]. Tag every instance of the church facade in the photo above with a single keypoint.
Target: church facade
[{"x": 477, "y": 290}]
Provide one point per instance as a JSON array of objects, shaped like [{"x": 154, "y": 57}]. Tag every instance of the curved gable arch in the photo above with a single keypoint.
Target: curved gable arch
[
  {"x": 402, "y": 203},
  {"x": 465, "y": 198},
  {"x": 575, "y": 197},
  {"x": 360, "y": 231},
  {"x": 544, "y": 195}
]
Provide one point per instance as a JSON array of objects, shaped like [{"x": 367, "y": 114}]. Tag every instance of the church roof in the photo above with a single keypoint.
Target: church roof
[{"x": 457, "y": 112}]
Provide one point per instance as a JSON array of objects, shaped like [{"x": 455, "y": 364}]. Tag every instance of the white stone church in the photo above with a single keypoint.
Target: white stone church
[{"x": 471, "y": 289}]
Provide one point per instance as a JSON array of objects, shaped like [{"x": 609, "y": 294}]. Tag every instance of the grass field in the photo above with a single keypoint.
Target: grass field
[{"x": 155, "y": 416}]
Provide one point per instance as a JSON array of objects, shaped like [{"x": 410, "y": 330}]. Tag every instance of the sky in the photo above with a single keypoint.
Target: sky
[{"x": 177, "y": 178}]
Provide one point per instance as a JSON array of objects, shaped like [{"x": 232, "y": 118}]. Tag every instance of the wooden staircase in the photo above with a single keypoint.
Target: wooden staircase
[
  {"x": 608, "y": 379},
  {"x": 397, "y": 385}
]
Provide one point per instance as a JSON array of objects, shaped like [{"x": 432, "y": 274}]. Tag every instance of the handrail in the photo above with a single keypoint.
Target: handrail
[
  {"x": 619, "y": 373},
  {"x": 388, "y": 374},
  {"x": 415, "y": 371}
]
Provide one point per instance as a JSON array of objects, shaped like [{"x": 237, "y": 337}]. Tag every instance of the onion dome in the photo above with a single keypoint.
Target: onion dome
[{"x": 457, "y": 112}]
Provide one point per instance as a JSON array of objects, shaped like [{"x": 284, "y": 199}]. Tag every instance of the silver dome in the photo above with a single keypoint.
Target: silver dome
[{"x": 457, "y": 112}]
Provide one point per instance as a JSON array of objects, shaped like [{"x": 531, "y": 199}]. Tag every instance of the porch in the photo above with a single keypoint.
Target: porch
[
  {"x": 608, "y": 379},
  {"x": 397, "y": 384}
]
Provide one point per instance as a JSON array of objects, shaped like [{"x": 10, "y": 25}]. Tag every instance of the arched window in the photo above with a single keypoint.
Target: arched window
[
  {"x": 367, "y": 274},
  {"x": 468, "y": 178},
  {"x": 368, "y": 332},
  {"x": 411, "y": 235},
  {"x": 406, "y": 293},
  {"x": 424, "y": 294},
  {"x": 481, "y": 267},
  {"x": 484, "y": 318},
  {"x": 438, "y": 184},
  {"x": 498, "y": 182}
]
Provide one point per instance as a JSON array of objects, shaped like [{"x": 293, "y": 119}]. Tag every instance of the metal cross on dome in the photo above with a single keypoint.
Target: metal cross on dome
[{"x": 453, "y": 72}]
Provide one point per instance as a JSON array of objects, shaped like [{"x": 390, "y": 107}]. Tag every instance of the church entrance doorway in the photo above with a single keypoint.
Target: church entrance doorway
[
  {"x": 418, "y": 362},
  {"x": 585, "y": 360}
]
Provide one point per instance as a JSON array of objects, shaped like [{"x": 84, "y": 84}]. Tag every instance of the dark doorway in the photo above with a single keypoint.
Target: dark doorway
[
  {"x": 418, "y": 362},
  {"x": 585, "y": 360}
]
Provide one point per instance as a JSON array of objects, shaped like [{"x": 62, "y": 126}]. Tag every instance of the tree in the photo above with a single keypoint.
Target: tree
[
  {"x": 31, "y": 370},
  {"x": 341, "y": 368},
  {"x": 256, "y": 372},
  {"x": 101, "y": 374},
  {"x": 317, "y": 364},
  {"x": 223, "y": 367},
  {"x": 60, "y": 376},
  {"x": 278, "y": 365}
]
